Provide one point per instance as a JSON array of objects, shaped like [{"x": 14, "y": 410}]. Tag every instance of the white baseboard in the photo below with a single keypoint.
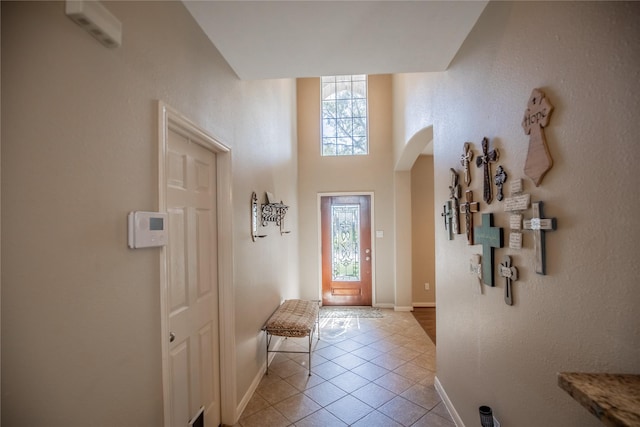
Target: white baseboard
[
  {"x": 256, "y": 380},
  {"x": 424, "y": 304},
  {"x": 445, "y": 399},
  {"x": 402, "y": 308},
  {"x": 383, "y": 305}
]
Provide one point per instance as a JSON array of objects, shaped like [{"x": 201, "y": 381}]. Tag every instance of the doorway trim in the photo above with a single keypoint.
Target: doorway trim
[
  {"x": 171, "y": 119},
  {"x": 373, "y": 240}
]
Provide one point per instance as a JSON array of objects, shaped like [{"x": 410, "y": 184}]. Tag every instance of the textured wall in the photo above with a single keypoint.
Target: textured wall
[
  {"x": 423, "y": 229},
  {"x": 373, "y": 172},
  {"x": 581, "y": 316},
  {"x": 81, "y": 311}
]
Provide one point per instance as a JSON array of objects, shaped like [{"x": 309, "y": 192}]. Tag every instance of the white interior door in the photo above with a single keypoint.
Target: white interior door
[{"x": 192, "y": 284}]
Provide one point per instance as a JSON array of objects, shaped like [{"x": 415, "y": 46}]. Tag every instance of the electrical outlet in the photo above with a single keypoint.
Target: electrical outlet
[{"x": 426, "y": 286}]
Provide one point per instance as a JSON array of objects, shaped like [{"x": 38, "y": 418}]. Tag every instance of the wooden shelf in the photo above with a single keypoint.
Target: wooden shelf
[{"x": 613, "y": 398}]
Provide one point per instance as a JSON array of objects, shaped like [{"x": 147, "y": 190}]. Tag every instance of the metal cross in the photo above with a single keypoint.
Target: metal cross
[
  {"x": 499, "y": 180},
  {"x": 465, "y": 159},
  {"x": 454, "y": 195},
  {"x": 510, "y": 273},
  {"x": 468, "y": 209},
  {"x": 489, "y": 237},
  {"x": 475, "y": 268},
  {"x": 447, "y": 214},
  {"x": 485, "y": 160},
  {"x": 539, "y": 225}
]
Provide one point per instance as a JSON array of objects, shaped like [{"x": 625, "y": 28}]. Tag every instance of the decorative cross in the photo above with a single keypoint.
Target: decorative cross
[
  {"x": 485, "y": 160},
  {"x": 499, "y": 180},
  {"x": 489, "y": 237},
  {"x": 510, "y": 273},
  {"x": 536, "y": 118},
  {"x": 468, "y": 209},
  {"x": 447, "y": 214},
  {"x": 475, "y": 268},
  {"x": 454, "y": 195},
  {"x": 539, "y": 225},
  {"x": 465, "y": 159}
]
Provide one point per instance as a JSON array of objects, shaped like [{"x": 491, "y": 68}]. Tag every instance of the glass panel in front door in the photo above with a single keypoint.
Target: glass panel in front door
[{"x": 345, "y": 238}]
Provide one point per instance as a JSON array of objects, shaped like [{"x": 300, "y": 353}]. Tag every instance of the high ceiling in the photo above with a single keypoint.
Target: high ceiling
[{"x": 288, "y": 39}]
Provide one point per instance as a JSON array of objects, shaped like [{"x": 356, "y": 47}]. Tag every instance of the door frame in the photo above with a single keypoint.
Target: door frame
[
  {"x": 373, "y": 241},
  {"x": 171, "y": 119}
]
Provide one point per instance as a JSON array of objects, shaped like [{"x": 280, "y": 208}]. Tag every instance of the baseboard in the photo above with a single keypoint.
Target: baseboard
[
  {"x": 383, "y": 305},
  {"x": 424, "y": 304},
  {"x": 445, "y": 399},
  {"x": 402, "y": 308},
  {"x": 277, "y": 342}
]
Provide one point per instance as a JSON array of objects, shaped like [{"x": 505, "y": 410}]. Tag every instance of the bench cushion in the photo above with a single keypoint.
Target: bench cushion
[{"x": 294, "y": 318}]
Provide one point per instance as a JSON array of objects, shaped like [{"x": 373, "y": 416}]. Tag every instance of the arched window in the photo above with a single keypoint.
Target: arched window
[{"x": 344, "y": 115}]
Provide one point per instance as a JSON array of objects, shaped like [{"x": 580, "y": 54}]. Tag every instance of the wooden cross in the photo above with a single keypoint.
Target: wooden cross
[
  {"x": 485, "y": 160},
  {"x": 465, "y": 160},
  {"x": 447, "y": 214},
  {"x": 489, "y": 237},
  {"x": 499, "y": 180},
  {"x": 475, "y": 268},
  {"x": 536, "y": 117},
  {"x": 510, "y": 273},
  {"x": 468, "y": 209},
  {"x": 454, "y": 195},
  {"x": 539, "y": 225}
]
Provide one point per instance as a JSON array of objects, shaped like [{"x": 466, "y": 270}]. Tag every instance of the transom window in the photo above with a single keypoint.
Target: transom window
[{"x": 344, "y": 115}]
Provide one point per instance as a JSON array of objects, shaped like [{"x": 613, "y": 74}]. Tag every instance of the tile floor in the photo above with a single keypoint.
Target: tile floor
[{"x": 365, "y": 372}]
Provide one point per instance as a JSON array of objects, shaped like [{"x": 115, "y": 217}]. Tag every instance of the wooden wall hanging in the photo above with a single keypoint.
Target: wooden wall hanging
[
  {"x": 510, "y": 273},
  {"x": 468, "y": 209},
  {"x": 485, "y": 161},
  {"x": 475, "y": 268},
  {"x": 465, "y": 160},
  {"x": 454, "y": 195},
  {"x": 447, "y": 214},
  {"x": 489, "y": 237},
  {"x": 539, "y": 226},
  {"x": 536, "y": 118}
]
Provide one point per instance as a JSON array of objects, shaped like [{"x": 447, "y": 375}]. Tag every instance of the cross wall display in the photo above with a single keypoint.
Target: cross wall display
[{"x": 538, "y": 162}]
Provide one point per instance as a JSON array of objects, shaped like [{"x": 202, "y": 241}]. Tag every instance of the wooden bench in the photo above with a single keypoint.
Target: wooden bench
[{"x": 294, "y": 318}]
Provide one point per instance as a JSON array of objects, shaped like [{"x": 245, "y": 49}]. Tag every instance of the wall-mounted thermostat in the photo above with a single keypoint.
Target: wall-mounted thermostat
[{"x": 147, "y": 229}]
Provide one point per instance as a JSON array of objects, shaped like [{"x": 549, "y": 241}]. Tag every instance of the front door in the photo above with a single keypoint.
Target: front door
[
  {"x": 346, "y": 250},
  {"x": 192, "y": 294}
]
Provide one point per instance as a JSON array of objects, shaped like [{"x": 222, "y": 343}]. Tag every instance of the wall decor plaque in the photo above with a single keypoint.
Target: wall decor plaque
[{"x": 536, "y": 118}]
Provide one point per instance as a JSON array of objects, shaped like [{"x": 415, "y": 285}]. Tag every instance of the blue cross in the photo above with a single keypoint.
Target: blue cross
[{"x": 489, "y": 237}]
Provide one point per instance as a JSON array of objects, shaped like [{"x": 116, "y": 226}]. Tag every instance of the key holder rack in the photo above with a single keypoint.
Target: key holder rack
[{"x": 274, "y": 212}]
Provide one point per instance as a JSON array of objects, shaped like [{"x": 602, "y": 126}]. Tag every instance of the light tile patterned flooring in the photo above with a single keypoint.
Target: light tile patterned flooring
[{"x": 365, "y": 372}]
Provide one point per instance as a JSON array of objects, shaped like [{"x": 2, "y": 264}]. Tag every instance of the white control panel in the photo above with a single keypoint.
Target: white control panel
[{"x": 147, "y": 229}]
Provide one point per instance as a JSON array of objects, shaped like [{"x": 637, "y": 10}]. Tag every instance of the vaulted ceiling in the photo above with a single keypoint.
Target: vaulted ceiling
[{"x": 288, "y": 39}]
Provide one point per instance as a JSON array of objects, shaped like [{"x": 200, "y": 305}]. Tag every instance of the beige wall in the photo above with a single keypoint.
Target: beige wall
[
  {"x": 81, "y": 311},
  {"x": 581, "y": 316},
  {"x": 423, "y": 229},
  {"x": 371, "y": 173}
]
